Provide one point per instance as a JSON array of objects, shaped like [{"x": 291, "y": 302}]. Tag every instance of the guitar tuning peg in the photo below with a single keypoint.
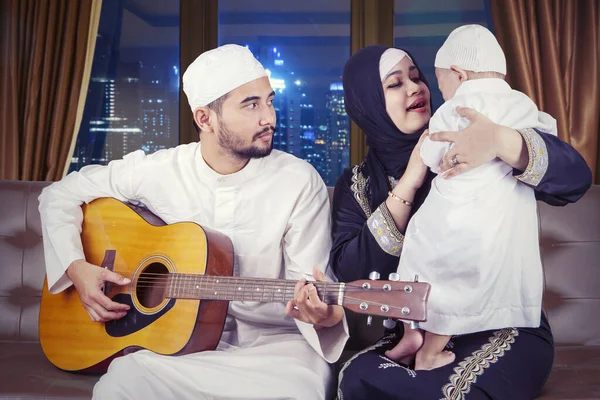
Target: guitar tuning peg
[
  {"x": 394, "y": 277},
  {"x": 416, "y": 278},
  {"x": 389, "y": 323},
  {"x": 369, "y": 320},
  {"x": 374, "y": 276}
]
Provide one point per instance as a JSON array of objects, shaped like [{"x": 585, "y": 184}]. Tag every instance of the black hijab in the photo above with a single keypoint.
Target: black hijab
[{"x": 389, "y": 148}]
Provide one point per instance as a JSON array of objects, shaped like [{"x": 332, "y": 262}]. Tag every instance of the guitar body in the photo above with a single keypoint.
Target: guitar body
[{"x": 146, "y": 253}]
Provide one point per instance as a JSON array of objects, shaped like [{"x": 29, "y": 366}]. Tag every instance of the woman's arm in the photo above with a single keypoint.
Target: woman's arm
[
  {"x": 360, "y": 244},
  {"x": 365, "y": 242},
  {"x": 556, "y": 171}
]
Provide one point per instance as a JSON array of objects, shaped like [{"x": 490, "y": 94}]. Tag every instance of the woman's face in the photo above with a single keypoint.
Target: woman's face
[{"x": 406, "y": 97}]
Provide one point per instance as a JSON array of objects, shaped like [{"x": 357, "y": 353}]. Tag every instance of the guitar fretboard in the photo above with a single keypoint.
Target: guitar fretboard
[{"x": 192, "y": 286}]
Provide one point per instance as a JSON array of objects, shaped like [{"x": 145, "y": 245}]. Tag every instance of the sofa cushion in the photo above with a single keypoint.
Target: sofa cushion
[
  {"x": 575, "y": 375},
  {"x": 570, "y": 248},
  {"x": 22, "y": 262},
  {"x": 25, "y": 373},
  {"x": 570, "y": 243}
]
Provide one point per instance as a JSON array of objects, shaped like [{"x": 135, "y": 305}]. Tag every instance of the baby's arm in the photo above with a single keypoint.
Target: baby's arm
[{"x": 445, "y": 119}]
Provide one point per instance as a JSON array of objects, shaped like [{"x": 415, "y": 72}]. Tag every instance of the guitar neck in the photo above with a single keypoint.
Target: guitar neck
[{"x": 192, "y": 286}]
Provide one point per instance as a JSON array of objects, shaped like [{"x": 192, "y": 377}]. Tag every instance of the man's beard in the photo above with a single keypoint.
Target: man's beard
[{"x": 234, "y": 144}]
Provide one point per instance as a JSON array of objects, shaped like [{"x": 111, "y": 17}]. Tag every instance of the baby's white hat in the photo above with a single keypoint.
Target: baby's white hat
[{"x": 472, "y": 48}]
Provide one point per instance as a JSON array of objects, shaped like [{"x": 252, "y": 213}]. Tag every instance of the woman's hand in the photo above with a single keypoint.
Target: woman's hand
[
  {"x": 306, "y": 305},
  {"x": 482, "y": 141},
  {"x": 416, "y": 170}
]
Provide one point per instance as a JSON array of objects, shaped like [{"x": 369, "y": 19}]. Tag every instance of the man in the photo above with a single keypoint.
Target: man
[{"x": 273, "y": 206}]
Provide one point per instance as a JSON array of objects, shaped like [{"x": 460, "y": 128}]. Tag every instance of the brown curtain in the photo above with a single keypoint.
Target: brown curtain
[
  {"x": 43, "y": 48},
  {"x": 552, "y": 50}
]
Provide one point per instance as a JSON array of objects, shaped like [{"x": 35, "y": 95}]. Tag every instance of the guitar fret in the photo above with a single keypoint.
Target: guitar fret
[
  {"x": 272, "y": 293},
  {"x": 168, "y": 290},
  {"x": 179, "y": 286},
  {"x": 279, "y": 293},
  {"x": 192, "y": 286},
  {"x": 261, "y": 291},
  {"x": 172, "y": 285}
]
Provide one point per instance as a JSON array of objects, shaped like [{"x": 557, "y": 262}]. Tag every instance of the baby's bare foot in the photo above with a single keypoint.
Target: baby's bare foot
[
  {"x": 410, "y": 343},
  {"x": 433, "y": 361}
]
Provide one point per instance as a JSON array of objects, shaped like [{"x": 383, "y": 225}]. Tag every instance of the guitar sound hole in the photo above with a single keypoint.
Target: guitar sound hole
[{"x": 151, "y": 285}]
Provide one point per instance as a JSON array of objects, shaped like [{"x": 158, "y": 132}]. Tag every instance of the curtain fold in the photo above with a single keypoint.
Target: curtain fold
[
  {"x": 85, "y": 81},
  {"x": 45, "y": 46},
  {"x": 552, "y": 51}
]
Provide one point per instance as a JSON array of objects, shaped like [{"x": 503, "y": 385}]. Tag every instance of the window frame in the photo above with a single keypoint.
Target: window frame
[{"x": 371, "y": 22}]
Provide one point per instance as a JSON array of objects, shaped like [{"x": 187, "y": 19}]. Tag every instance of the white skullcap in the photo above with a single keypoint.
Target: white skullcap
[
  {"x": 389, "y": 59},
  {"x": 219, "y": 71},
  {"x": 472, "y": 48}
]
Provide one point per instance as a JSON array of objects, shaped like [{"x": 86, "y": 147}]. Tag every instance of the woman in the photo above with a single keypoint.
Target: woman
[{"x": 389, "y": 99}]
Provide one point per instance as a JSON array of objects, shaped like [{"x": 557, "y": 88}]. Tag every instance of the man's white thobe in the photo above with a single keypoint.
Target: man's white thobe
[{"x": 276, "y": 212}]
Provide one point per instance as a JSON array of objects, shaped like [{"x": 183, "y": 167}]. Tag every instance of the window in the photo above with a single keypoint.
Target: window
[
  {"x": 304, "y": 46},
  {"x": 133, "y": 95},
  {"x": 421, "y": 27}
]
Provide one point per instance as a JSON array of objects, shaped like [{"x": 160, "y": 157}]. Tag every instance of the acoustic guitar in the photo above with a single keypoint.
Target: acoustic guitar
[{"x": 181, "y": 285}]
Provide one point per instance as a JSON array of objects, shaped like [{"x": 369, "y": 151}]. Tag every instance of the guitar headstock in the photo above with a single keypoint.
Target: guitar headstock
[{"x": 392, "y": 299}]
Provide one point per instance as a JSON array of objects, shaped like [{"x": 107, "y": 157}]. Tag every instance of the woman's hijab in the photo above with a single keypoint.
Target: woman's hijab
[{"x": 389, "y": 148}]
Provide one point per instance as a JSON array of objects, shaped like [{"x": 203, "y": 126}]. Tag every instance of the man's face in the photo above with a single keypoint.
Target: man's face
[{"x": 246, "y": 125}]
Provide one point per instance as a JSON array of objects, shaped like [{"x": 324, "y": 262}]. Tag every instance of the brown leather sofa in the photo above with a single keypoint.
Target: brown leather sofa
[{"x": 570, "y": 242}]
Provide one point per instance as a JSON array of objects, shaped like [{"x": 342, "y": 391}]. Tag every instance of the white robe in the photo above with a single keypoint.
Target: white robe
[
  {"x": 276, "y": 212},
  {"x": 475, "y": 238}
]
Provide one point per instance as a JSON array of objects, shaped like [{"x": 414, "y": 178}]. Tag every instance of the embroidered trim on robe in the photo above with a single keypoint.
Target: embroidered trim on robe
[
  {"x": 382, "y": 342},
  {"x": 384, "y": 230},
  {"x": 538, "y": 158},
  {"x": 467, "y": 371},
  {"x": 358, "y": 187},
  {"x": 380, "y": 223}
]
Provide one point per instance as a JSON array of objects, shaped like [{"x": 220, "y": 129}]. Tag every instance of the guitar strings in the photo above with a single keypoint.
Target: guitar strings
[
  {"x": 285, "y": 296},
  {"x": 189, "y": 286},
  {"x": 197, "y": 287},
  {"x": 188, "y": 278},
  {"x": 201, "y": 279}
]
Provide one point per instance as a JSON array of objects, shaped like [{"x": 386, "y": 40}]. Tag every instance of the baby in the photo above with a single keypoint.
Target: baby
[{"x": 475, "y": 238}]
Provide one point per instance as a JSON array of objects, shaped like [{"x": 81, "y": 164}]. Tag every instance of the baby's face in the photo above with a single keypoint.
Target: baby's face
[{"x": 448, "y": 82}]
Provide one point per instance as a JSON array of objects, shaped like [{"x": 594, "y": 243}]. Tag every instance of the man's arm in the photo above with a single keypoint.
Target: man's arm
[
  {"x": 61, "y": 214},
  {"x": 307, "y": 243},
  {"x": 61, "y": 217}
]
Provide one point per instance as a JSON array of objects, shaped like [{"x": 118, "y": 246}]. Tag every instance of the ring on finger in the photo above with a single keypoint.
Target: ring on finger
[{"x": 454, "y": 160}]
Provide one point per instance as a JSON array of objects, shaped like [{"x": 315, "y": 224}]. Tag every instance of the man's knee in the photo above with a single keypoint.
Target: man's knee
[{"x": 123, "y": 374}]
